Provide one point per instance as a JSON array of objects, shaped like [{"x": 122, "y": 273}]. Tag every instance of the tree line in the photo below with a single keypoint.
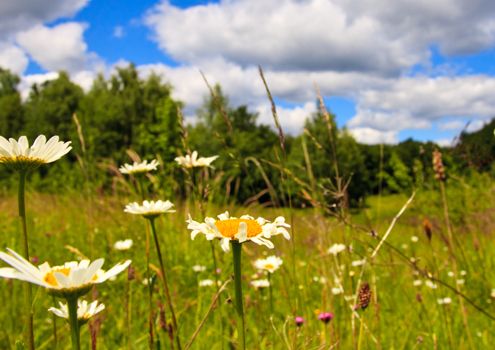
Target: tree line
[{"x": 127, "y": 112}]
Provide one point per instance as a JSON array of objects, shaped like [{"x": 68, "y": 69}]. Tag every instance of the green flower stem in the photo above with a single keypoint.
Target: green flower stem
[
  {"x": 74, "y": 323},
  {"x": 271, "y": 292},
  {"x": 27, "y": 287},
  {"x": 236, "y": 254},
  {"x": 165, "y": 283},
  {"x": 150, "y": 291}
]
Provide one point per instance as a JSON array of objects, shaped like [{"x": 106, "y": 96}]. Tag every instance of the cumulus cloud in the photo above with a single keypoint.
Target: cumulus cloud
[
  {"x": 27, "y": 81},
  {"x": 372, "y": 136},
  {"x": 13, "y": 58},
  {"x": 57, "y": 48},
  {"x": 20, "y": 15}
]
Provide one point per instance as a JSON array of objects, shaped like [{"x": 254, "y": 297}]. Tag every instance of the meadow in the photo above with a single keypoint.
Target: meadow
[{"x": 423, "y": 294}]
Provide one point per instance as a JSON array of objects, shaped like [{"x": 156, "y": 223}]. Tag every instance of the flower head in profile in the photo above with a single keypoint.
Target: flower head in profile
[
  {"x": 70, "y": 279},
  {"x": 325, "y": 317},
  {"x": 258, "y": 284},
  {"x": 139, "y": 168},
  {"x": 299, "y": 321},
  {"x": 85, "y": 310},
  {"x": 243, "y": 229},
  {"x": 19, "y": 155},
  {"x": 150, "y": 209},
  {"x": 192, "y": 161},
  {"x": 126, "y": 244},
  {"x": 270, "y": 264},
  {"x": 337, "y": 248}
]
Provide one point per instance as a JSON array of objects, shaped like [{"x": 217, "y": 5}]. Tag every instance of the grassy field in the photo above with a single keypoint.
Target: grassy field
[{"x": 423, "y": 294}]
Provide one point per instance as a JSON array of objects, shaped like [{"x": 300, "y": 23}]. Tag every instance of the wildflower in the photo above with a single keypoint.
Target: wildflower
[
  {"x": 139, "y": 168},
  {"x": 325, "y": 317},
  {"x": 430, "y": 284},
  {"x": 299, "y": 321},
  {"x": 150, "y": 209},
  {"x": 206, "y": 283},
  {"x": 246, "y": 228},
  {"x": 258, "y": 284},
  {"x": 192, "y": 161},
  {"x": 337, "y": 290},
  {"x": 336, "y": 249},
  {"x": 270, "y": 264},
  {"x": 85, "y": 310},
  {"x": 71, "y": 279},
  {"x": 427, "y": 228},
  {"x": 414, "y": 239},
  {"x": 460, "y": 281},
  {"x": 444, "y": 301},
  {"x": 451, "y": 274},
  {"x": 438, "y": 167},
  {"x": 463, "y": 273},
  {"x": 417, "y": 283},
  {"x": 199, "y": 268},
  {"x": 126, "y": 244},
  {"x": 17, "y": 153},
  {"x": 356, "y": 263}
]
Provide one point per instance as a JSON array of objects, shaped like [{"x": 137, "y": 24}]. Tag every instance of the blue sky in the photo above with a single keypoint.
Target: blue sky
[{"x": 389, "y": 69}]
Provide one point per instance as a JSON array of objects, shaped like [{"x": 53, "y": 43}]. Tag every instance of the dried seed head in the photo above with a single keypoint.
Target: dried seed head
[
  {"x": 438, "y": 167},
  {"x": 364, "y": 296},
  {"x": 427, "y": 228}
]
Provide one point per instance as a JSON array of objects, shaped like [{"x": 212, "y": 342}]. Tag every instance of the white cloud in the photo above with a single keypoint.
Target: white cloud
[
  {"x": 13, "y": 58},
  {"x": 373, "y": 136},
  {"x": 444, "y": 142},
  {"x": 28, "y": 81},
  {"x": 118, "y": 32},
  {"x": 57, "y": 48},
  {"x": 452, "y": 125},
  {"x": 19, "y": 15}
]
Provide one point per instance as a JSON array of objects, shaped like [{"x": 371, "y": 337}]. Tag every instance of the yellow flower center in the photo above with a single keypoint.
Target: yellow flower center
[
  {"x": 50, "y": 277},
  {"x": 269, "y": 266},
  {"x": 229, "y": 228}
]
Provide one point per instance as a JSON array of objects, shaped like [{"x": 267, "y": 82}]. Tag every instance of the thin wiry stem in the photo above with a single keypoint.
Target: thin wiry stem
[
  {"x": 165, "y": 283},
  {"x": 27, "y": 287},
  {"x": 236, "y": 254}
]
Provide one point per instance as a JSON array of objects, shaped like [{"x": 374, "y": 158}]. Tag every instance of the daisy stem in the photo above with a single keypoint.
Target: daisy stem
[
  {"x": 150, "y": 291},
  {"x": 28, "y": 290},
  {"x": 165, "y": 283},
  {"x": 236, "y": 253},
  {"x": 74, "y": 323},
  {"x": 271, "y": 292}
]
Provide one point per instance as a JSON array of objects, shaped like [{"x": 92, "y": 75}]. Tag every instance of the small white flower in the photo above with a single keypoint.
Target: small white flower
[
  {"x": 199, "y": 268},
  {"x": 404, "y": 246},
  {"x": 206, "y": 283},
  {"x": 72, "y": 278},
  {"x": 260, "y": 284},
  {"x": 18, "y": 153},
  {"x": 463, "y": 273},
  {"x": 150, "y": 209},
  {"x": 243, "y": 229},
  {"x": 351, "y": 273},
  {"x": 85, "y": 310},
  {"x": 460, "y": 281},
  {"x": 192, "y": 161},
  {"x": 444, "y": 301},
  {"x": 336, "y": 249},
  {"x": 451, "y": 274},
  {"x": 414, "y": 239},
  {"x": 417, "y": 283},
  {"x": 126, "y": 244},
  {"x": 337, "y": 290},
  {"x": 356, "y": 263},
  {"x": 270, "y": 264},
  {"x": 139, "y": 168},
  {"x": 430, "y": 284},
  {"x": 492, "y": 294}
]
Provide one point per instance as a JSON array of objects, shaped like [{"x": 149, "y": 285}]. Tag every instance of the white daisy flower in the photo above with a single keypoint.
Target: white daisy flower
[
  {"x": 242, "y": 229},
  {"x": 337, "y": 290},
  {"x": 417, "y": 283},
  {"x": 199, "y": 268},
  {"x": 444, "y": 301},
  {"x": 357, "y": 263},
  {"x": 72, "y": 278},
  {"x": 192, "y": 161},
  {"x": 18, "y": 153},
  {"x": 150, "y": 209},
  {"x": 206, "y": 283},
  {"x": 139, "y": 168},
  {"x": 126, "y": 244},
  {"x": 451, "y": 274},
  {"x": 258, "y": 284},
  {"x": 414, "y": 239},
  {"x": 270, "y": 264},
  {"x": 85, "y": 310},
  {"x": 337, "y": 248},
  {"x": 430, "y": 284}
]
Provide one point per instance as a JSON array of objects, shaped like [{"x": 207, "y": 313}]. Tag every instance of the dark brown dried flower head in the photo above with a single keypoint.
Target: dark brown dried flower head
[
  {"x": 438, "y": 167},
  {"x": 364, "y": 296}
]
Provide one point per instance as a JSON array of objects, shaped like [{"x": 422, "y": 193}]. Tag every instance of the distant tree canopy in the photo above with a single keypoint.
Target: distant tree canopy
[{"x": 128, "y": 112}]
